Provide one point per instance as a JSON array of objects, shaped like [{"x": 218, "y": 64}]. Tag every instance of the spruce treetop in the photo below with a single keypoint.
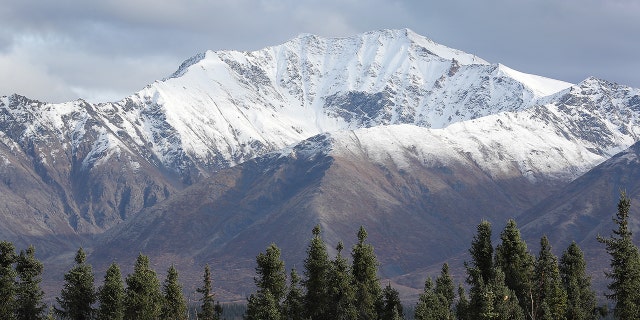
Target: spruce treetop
[
  {"x": 174, "y": 305},
  {"x": 362, "y": 234},
  {"x": 208, "y": 306},
  {"x": 111, "y": 295},
  {"x": 143, "y": 298},
  {"x": 549, "y": 296},
  {"x": 81, "y": 257},
  {"x": 316, "y": 271},
  {"x": 625, "y": 264},
  {"x": 365, "y": 278},
  {"x": 29, "y": 296},
  {"x": 581, "y": 300},
  {"x": 480, "y": 269},
  {"x": 271, "y": 273},
  {"x": 7, "y": 253},
  {"x": 78, "y": 295}
]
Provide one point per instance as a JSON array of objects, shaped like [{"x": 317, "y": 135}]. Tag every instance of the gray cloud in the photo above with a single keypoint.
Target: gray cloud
[{"x": 97, "y": 50}]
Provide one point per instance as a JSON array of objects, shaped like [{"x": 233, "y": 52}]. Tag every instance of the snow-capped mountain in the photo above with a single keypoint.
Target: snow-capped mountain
[
  {"x": 222, "y": 108},
  {"x": 391, "y": 101},
  {"x": 227, "y": 107}
]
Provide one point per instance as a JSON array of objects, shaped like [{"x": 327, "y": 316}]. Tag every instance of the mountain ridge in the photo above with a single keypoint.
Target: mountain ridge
[
  {"x": 285, "y": 125},
  {"x": 223, "y": 108}
]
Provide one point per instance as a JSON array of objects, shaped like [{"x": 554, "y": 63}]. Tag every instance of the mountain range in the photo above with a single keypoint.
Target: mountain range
[{"x": 415, "y": 141}]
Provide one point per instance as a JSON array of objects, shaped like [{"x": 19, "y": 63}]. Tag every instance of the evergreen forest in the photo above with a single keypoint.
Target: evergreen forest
[{"x": 505, "y": 281}]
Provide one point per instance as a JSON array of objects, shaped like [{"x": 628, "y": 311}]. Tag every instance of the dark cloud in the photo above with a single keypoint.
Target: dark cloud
[{"x": 109, "y": 49}]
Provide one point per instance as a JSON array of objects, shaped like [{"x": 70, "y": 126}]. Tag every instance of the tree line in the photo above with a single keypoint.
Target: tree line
[
  {"x": 330, "y": 289},
  {"x": 505, "y": 283},
  {"x": 140, "y": 296},
  {"x": 502, "y": 282}
]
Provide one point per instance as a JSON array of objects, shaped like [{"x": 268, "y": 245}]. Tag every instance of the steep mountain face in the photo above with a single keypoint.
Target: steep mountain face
[
  {"x": 601, "y": 113},
  {"x": 92, "y": 166},
  {"x": 66, "y": 173},
  {"x": 385, "y": 129},
  {"x": 227, "y": 107}
]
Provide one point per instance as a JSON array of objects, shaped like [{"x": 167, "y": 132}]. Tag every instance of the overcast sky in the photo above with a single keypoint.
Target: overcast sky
[{"x": 105, "y": 50}]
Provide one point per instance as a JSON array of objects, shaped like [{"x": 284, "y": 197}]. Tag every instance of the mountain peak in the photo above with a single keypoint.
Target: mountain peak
[
  {"x": 593, "y": 85},
  {"x": 399, "y": 39},
  {"x": 597, "y": 82},
  {"x": 229, "y": 106},
  {"x": 384, "y": 44}
]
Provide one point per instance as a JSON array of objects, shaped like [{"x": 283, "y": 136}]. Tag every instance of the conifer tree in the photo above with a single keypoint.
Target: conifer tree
[
  {"x": 294, "y": 301},
  {"x": 29, "y": 305},
  {"x": 625, "y": 264},
  {"x": 391, "y": 305},
  {"x": 492, "y": 301},
  {"x": 316, "y": 271},
  {"x": 429, "y": 305},
  {"x": 445, "y": 291},
  {"x": 513, "y": 257},
  {"x": 78, "y": 294},
  {"x": 581, "y": 299},
  {"x": 365, "y": 278},
  {"x": 396, "y": 315},
  {"x": 480, "y": 272},
  {"x": 265, "y": 304},
  {"x": 462, "y": 306},
  {"x": 209, "y": 310},
  {"x": 218, "y": 311},
  {"x": 7, "y": 279},
  {"x": 271, "y": 273},
  {"x": 550, "y": 299},
  {"x": 174, "y": 305},
  {"x": 436, "y": 302},
  {"x": 341, "y": 290},
  {"x": 143, "y": 298},
  {"x": 111, "y": 295},
  {"x": 480, "y": 268},
  {"x": 501, "y": 302},
  {"x": 489, "y": 296}
]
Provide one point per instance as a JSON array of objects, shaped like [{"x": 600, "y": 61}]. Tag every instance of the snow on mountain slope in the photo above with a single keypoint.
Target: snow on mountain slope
[
  {"x": 603, "y": 115},
  {"x": 541, "y": 86},
  {"x": 226, "y": 107},
  {"x": 222, "y": 108},
  {"x": 541, "y": 154},
  {"x": 588, "y": 123}
]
